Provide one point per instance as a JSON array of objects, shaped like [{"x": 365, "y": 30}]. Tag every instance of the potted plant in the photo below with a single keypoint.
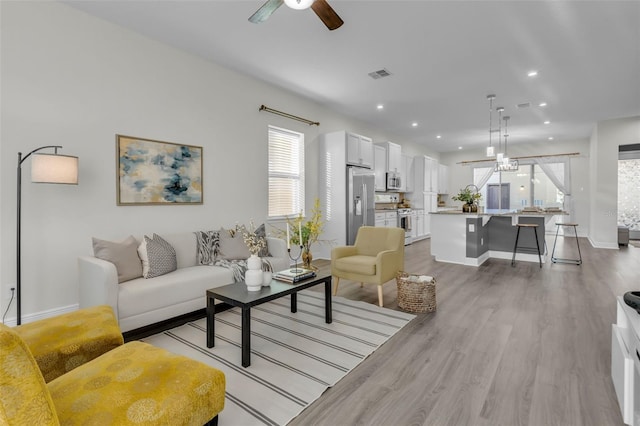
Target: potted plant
[{"x": 468, "y": 196}]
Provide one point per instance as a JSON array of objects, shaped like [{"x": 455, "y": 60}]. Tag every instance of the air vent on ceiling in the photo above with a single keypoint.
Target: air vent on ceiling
[
  {"x": 379, "y": 74},
  {"x": 524, "y": 105}
]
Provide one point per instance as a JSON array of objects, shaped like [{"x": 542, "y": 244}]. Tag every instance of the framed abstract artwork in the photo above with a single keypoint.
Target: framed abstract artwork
[{"x": 152, "y": 172}]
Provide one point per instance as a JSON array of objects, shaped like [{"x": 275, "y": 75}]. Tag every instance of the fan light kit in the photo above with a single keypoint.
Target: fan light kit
[
  {"x": 298, "y": 4},
  {"x": 320, "y": 7}
]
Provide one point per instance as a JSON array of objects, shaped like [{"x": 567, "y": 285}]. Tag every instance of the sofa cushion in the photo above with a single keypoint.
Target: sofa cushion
[
  {"x": 261, "y": 232},
  {"x": 123, "y": 254},
  {"x": 233, "y": 247},
  {"x": 358, "y": 264},
  {"x": 139, "y": 296},
  {"x": 186, "y": 247},
  {"x": 158, "y": 257},
  {"x": 208, "y": 246}
]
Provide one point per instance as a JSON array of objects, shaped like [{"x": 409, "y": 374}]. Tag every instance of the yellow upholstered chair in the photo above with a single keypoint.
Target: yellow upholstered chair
[
  {"x": 132, "y": 383},
  {"x": 375, "y": 258}
]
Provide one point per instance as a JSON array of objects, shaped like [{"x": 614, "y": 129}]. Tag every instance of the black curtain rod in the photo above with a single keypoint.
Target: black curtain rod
[{"x": 287, "y": 115}]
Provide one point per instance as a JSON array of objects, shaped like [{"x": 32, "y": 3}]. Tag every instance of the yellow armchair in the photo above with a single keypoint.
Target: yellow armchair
[
  {"x": 375, "y": 258},
  {"x": 133, "y": 383}
]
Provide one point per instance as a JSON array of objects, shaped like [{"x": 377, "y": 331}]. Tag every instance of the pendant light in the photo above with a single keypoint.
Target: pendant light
[
  {"x": 500, "y": 155},
  {"x": 505, "y": 159},
  {"x": 490, "y": 148}
]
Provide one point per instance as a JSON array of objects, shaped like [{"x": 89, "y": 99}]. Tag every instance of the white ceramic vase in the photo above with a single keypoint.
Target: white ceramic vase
[
  {"x": 253, "y": 278},
  {"x": 266, "y": 278}
]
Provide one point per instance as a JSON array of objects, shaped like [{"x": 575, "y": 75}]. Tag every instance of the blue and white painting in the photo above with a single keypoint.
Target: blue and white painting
[{"x": 152, "y": 172}]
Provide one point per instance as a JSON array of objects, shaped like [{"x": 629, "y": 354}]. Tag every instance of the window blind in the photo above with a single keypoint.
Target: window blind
[{"x": 286, "y": 172}]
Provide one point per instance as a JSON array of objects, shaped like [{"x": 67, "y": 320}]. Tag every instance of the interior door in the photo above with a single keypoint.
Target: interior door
[{"x": 493, "y": 196}]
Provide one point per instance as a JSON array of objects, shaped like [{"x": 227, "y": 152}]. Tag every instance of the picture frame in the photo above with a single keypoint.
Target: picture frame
[{"x": 151, "y": 172}]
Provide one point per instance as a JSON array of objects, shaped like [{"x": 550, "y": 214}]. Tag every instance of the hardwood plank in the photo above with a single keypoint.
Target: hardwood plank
[{"x": 506, "y": 346}]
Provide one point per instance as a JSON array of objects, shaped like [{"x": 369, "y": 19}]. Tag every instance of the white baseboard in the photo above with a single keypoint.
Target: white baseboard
[
  {"x": 596, "y": 244},
  {"x": 11, "y": 322}
]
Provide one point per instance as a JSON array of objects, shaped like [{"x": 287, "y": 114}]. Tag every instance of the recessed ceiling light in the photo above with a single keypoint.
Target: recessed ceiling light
[
  {"x": 542, "y": 104},
  {"x": 547, "y": 122},
  {"x": 459, "y": 147},
  {"x": 414, "y": 124},
  {"x": 532, "y": 73},
  {"x": 380, "y": 106},
  {"x": 550, "y": 138},
  {"x": 438, "y": 137}
]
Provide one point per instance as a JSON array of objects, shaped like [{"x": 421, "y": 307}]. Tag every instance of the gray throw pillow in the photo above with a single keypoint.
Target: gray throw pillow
[
  {"x": 158, "y": 257},
  {"x": 232, "y": 247},
  {"x": 123, "y": 254}
]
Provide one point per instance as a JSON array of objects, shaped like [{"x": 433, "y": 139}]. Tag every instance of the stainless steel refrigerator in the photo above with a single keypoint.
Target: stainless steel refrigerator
[{"x": 360, "y": 201}]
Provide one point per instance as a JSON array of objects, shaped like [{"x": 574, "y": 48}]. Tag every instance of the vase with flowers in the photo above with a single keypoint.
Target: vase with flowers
[
  {"x": 305, "y": 233},
  {"x": 469, "y": 195},
  {"x": 254, "y": 277}
]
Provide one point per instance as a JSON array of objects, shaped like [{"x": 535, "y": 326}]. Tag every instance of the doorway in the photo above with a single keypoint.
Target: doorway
[
  {"x": 498, "y": 196},
  {"x": 629, "y": 189}
]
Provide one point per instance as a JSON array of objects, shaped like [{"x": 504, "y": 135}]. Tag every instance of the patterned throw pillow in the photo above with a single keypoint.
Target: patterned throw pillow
[
  {"x": 158, "y": 257},
  {"x": 261, "y": 232},
  {"x": 208, "y": 246}
]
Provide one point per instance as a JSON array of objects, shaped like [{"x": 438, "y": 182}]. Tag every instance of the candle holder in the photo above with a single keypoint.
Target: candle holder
[{"x": 295, "y": 269}]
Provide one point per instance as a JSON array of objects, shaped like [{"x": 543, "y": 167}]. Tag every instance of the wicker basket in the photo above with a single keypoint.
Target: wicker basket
[{"x": 415, "y": 295}]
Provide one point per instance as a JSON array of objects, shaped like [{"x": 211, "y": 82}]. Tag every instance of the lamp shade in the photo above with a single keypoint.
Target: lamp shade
[
  {"x": 490, "y": 151},
  {"x": 299, "y": 4},
  {"x": 54, "y": 168}
]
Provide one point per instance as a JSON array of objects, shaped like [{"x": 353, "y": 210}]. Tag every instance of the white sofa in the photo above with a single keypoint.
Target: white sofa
[{"x": 140, "y": 302}]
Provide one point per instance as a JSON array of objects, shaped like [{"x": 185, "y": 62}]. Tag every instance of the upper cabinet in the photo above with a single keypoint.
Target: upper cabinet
[
  {"x": 443, "y": 179},
  {"x": 359, "y": 150},
  {"x": 407, "y": 174},
  {"x": 426, "y": 174},
  {"x": 394, "y": 157},
  {"x": 380, "y": 167}
]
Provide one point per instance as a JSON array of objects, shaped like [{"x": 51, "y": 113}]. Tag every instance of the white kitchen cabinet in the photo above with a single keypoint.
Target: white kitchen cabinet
[
  {"x": 408, "y": 173},
  {"x": 380, "y": 167},
  {"x": 387, "y": 219},
  {"x": 359, "y": 150},
  {"x": 394, "y": 156},
  {"x": 425, "y": 174},
  {"x": 443, "y": 179},
  {"x": 425, "y": 202},
  {"x": 419, "y": 225}
]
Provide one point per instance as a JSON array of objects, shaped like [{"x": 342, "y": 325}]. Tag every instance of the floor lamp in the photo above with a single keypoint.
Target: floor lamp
[{"x": 45, "y": 168}]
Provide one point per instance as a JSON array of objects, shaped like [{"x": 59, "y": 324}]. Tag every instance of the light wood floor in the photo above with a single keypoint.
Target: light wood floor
[{"x": 507, "y": 346}]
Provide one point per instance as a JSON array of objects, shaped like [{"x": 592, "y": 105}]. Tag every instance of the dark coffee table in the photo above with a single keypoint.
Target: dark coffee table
[{"x": 237, "y": 295}]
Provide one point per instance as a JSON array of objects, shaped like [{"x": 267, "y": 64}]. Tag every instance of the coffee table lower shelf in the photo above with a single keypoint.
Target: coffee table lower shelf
[{"x": 237, "y": 295}]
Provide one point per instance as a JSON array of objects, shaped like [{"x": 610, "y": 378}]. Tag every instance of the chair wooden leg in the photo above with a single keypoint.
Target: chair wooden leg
[
  {"x": 335, "y": 287},
  {"x": 361, "y": 285},
  {"x": 380, "y": 296}
]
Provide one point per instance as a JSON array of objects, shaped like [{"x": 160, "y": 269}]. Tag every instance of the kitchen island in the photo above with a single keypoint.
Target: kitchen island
[{"x": 472, "y": 238}]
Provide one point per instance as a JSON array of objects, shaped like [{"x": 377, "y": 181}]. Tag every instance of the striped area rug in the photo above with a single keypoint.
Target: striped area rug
[{"x": 294, "y": 357}]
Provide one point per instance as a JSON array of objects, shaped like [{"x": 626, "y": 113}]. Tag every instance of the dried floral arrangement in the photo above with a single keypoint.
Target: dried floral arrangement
[{"x": 254, "y": 242}]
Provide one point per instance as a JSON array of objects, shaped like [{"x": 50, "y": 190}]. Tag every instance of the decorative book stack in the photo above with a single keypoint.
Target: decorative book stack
[{"x": 294, "y": 275}]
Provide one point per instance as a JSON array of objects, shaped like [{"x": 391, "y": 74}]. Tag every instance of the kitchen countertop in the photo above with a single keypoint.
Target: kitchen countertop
[{"x": 502, "y": 213}]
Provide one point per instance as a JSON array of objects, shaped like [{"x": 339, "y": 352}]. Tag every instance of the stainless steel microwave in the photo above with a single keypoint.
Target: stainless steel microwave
[{"x": 393, "y": 181}]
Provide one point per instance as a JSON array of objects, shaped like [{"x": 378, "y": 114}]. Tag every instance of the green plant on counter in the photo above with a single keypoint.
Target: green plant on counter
[{"x": 467, "y": 195}]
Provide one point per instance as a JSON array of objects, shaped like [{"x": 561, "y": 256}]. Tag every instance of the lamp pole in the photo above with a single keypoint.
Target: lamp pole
[{"x": 18, "y": 260}]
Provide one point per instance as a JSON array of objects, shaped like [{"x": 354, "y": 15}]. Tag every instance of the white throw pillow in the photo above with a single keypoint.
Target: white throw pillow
[{"x": 158, "y": 257}]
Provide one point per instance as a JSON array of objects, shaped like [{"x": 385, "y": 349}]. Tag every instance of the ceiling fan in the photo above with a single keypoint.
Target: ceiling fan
[{"x": 320, "y": 7}]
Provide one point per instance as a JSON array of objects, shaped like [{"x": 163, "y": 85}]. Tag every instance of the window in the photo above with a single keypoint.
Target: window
[
  {"x": 286, "y": 172},
  {"x": 529, "y": 186}
]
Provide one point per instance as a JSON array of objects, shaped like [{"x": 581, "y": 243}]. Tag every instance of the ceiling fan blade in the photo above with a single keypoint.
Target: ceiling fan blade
[
  {"x": 327, "y": 14},
  {"x": 265, "y": 11}
]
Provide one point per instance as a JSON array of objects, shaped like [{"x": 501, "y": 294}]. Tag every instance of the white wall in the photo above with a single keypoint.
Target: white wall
[
  {"x": 70, "y": 79},
  {"x": 461, "y": 176},
  {"x": 607, "y": 137}
]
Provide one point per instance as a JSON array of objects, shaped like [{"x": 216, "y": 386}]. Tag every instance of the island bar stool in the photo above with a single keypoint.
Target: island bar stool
[
  {"x": 533, "y": 226},
  {"x": 559, "y": 260}
]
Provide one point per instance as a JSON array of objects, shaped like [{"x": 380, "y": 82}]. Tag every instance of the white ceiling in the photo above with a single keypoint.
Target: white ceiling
[{"x": 445, "y": 58}]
